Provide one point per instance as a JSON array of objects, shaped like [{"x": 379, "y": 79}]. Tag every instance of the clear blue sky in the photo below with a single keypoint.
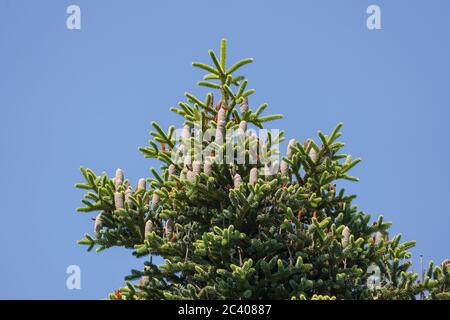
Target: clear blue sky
[{"x": 86, "y": 97}]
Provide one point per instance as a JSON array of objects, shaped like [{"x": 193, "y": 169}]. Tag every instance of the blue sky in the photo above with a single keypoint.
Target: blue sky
[{"x": 87, "y": 97}]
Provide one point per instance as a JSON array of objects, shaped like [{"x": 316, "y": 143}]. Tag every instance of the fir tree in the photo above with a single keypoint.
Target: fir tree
[{"x": 237, "y": 231}]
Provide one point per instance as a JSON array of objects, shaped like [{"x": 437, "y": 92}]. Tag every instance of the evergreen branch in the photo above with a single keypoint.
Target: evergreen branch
[
  {"x": 206, "y": 67},
  {"x": 238, "y": 65},
  {"x": 216, "y": 62},
  {"x": 209, "y": 84}
]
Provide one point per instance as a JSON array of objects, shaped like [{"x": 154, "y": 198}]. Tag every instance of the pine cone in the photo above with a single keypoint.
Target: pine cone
[
  {"x": 446, "y": 264},
  {"x": 190, "y": 176},
  {"x": 145, "y": 280},
  {"x": 207, "y": 167},
  {"x": 253, "y": 176},
  {"x": 169, "y": 227},
  {"x": 378, "y": 237},
  {"x": 219, "y": 138},
  {"x": 183, "y": 174},
  {"x": 221, "y": 118},
  {"x": 155, "y": 199},
  {"x": 243, "y": 127},
  {"x": 118, "y": 180},
  {"x": 244, "y": 105},
  {"x": 291, "y": 144},
  {"x": 128, "y": 194},
  {"x": 181, "y": 150},
  {"x": 171, "y": 171},
  {"x": 197, "y": 167},
  {"x": 118, "y": 200},
  {"x": 186, "y": 132},
  {"x": 98, "y": 224},
  {"x": 237, "y": 181},
  {"x": 187, "y": 160},
  {"x": 142, "y": 184},
  {"x": 313, "y": 154},
  {"x": 345, "y": 237},
  {"x": 284, "y": 168},
  {"x": 148, "y": 228}
]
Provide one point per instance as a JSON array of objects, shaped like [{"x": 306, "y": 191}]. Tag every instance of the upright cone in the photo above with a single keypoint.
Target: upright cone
[
  {"x": 313, "y": 154},
  {"x": 186, "y": 132},
  {"x": 118, "y": 180},
  {"x": 170, "y": 225},
  {"x": 207, "y": 167},
  {"x": 118, "y": 200},
  {"x": 171, "y": 171},
  {"x": 284, "y": 168},
  {"x": 290, "y": 151},
  {"x": 128, "y": 194},
  {"x": 190, "y": 176},
  {"x": 243, "y": 127},
  {"x": 253, "y": 176},
  {"x": 244, "y": 105},
  {"x": 148, "y": 228},
  {"x": 221, "y": 118},
  {"x": 141, "y": 184},
  {"x": 155, "y": 199},
  {"x": 345, "y": 237},
  {"x": 379, "y": 237},
  {"x": 237, "y": 181},
  {"x": 98, "y": 224},
  {"x": 197, "y": 167}
]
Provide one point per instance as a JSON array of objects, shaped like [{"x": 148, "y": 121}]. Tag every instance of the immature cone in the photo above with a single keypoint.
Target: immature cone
[
  {"x": 148, "y": 228},
  {"x": 207, "y": 168},
  {"x": 313, "y": 154},
  {"x": 98, "y": 224},
  {"x": 155, "y": 199},
  {"x": 253, "y": 176},
  {"x": 183, "y": 175},
  {"x": 237, "y": 181},
  {"x": 190, "y": 176},
  {"x": 186, "y": 132},
  {"x": 197, "y": 167},
  {"x": 187, "y": 160},
  {"x": 345, "y": 237},
  {"x": 218, "y": 105},
  {"x": 169, "y": 227},
  {"x": 219, "y": 137},
  {"x": 119, "y": 174},
  {"x": 119, "y": 177},
  {"x": 243, "y": 127},
  {"x": 253, "y": 146},
  {"x": 221, "y": 123},
  {"x": 118, "y": 200},
  {"x": 221, "y": 118},
  {"x": 181, "y": 150},
  {"x": 128, "y": 194},
  {"x": 290, "y": 151},
  {"x": 145, "y": 280},
  {"x": 244, "y": 105},
  {"x": 378, "y": 237},
  {"x": 284, "y": 168},
  {"x": 141, "y": 184},
  {"x": 171, "y": 171},
  {"x": 446, "y": 264}
]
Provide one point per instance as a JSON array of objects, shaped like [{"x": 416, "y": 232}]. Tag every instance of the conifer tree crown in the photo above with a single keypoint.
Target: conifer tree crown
[{"x": 230, "y": 226}]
